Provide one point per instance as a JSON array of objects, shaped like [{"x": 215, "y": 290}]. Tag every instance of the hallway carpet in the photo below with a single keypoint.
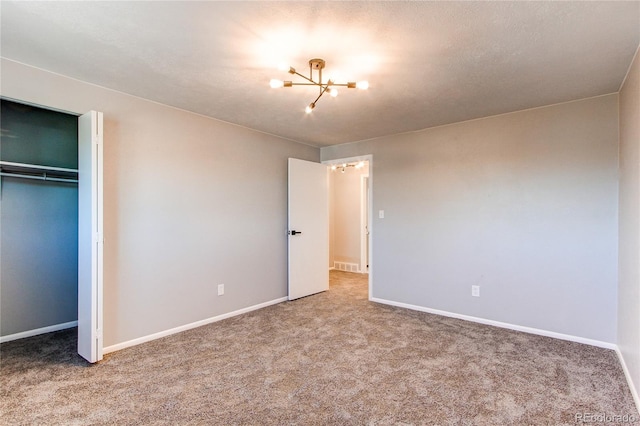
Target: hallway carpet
[{"x": 329, "y": 359}]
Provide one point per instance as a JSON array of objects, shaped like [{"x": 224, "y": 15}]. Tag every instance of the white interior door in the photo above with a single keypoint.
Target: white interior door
[
  {"x": 90, "y": 236},
  {"x": 308, "y": 228}
]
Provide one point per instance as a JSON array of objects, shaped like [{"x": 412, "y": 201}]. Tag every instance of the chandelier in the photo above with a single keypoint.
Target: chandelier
[
  {"x": 328, "y": 86},
  {"x": 342, "y": 167}
]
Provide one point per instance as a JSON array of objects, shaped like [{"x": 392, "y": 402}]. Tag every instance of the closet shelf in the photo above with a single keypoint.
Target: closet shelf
[{"x": 34, "y": 171}]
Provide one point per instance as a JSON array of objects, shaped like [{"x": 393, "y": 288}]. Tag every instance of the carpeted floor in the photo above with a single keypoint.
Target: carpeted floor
[{"x": 331, "y": 358}]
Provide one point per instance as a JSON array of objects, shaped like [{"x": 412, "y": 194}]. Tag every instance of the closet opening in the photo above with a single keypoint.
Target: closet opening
[
  {"x": 51, "y": 224},
  {"x": 38, "y": 220}
]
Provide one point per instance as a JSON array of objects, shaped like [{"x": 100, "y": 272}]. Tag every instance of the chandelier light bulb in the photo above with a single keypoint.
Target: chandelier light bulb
[
  {"x": 309, "y": 108},
  {"x": 362, "y": 85},
  {"x": 276, "y": 84},
  {"x": 333, "y": 92},
  {"x": 333, "y": 167}
]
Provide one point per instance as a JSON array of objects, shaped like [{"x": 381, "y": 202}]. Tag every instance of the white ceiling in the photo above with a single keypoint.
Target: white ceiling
[{"x": 428, "y": 63}]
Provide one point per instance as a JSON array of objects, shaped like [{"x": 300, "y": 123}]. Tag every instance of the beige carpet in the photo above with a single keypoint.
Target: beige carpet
[{"x": 332, "y": 358}]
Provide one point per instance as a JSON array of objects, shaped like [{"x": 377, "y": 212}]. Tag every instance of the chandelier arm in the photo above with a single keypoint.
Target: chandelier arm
[
  {"x": 322, "y": 90},
  {"x": 318, "y": 84},
  {"x": 306, "y": 78},
  {"x": 315, "y": 83},
  {"x": 309, "y": 84}
]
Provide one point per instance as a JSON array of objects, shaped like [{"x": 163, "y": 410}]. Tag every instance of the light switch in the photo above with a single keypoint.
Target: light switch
[{"x": 381, "y": 214}]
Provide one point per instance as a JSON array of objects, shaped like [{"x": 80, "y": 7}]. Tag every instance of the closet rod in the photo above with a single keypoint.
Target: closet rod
[
  {"x": 37, "y": 167},
  {"x": 43, "y": 177}
]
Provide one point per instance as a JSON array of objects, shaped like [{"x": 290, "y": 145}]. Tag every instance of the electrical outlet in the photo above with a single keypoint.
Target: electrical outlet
[
  {"x": 220, "y": 289},
  {"x": 475, "y": 290}
]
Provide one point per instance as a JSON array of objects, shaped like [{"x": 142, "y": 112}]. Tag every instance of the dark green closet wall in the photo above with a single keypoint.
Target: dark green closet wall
[{"x": 38, "y": 136}]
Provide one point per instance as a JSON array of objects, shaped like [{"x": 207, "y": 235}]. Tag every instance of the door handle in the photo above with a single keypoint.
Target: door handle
[{"x": 294, "y": 232}]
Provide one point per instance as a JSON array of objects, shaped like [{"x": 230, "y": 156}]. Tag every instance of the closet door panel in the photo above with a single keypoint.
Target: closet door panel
[{"x": 90, "y": 236}]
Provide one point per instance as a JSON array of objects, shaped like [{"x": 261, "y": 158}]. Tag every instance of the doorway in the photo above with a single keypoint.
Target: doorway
[
  {"x": 51, "y": 224},
  {"x": 38, "y": 220},
  {"x": 350, "y": 215}
]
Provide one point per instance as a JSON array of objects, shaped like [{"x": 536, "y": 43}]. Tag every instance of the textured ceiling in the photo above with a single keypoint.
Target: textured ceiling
[{"x": 428, "y": 63}]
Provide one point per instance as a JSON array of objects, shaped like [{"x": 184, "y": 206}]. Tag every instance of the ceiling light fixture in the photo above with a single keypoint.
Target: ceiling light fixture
[
  {"x": 343, "y": 167},
  {"x": 328, "y": 86}
]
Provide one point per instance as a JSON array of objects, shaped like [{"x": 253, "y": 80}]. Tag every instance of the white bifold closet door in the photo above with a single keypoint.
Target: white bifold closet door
[{"x": 90, "y": 236}]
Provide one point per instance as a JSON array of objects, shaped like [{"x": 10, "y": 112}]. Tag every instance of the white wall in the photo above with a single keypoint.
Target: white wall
[
  {"x": 522, "y": 204},
  {"x": 190, "y": 202},
  {"x": 345, "y": 214},
  {"x": 629, "y": 248}
]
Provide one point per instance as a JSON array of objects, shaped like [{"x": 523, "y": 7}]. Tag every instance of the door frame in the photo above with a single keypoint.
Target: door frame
[
  {"x": 369, "y": 159},
  {"x": 97, "y": 308},
  {"x": 364, "y": 222}
]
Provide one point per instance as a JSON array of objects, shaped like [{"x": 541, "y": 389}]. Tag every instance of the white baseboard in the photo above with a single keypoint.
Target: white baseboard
[
  {"x": 524, "y": 329},
  {"x": 37, "y": 331},
  {"x": 627, "y": 375},
  {"x": 186, "y": 327}
]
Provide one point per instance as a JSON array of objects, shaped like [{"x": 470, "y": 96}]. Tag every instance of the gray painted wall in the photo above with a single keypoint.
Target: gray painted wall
[
  {"x": 629, "y": 263},
  {"x": 522, "y": 204},
  {"x": 190, "y": 202}
]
